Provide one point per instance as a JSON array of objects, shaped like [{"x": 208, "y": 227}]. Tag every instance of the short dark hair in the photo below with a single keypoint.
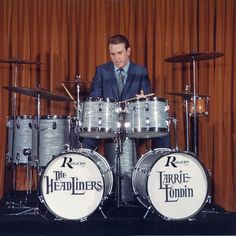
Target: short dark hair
[{"x": 117, "y": 39}]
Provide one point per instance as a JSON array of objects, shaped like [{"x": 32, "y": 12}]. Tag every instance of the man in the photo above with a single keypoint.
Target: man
[
  {"x": 105, "y": 82},
  {"x": 120, "y": 79}
]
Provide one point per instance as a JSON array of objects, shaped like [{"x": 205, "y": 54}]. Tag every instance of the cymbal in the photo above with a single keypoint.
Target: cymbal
[
  {"x": 76, "y": 81},
  {"x": 15, "y": 60},
  {"x": 197, "y": 56},
  {"x": 186, "y": 94},
  {"x": 34, "y": 93}
]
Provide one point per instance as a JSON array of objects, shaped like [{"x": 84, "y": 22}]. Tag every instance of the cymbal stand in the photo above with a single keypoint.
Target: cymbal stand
[
  {"x": 14, "y": 105},
  {"x": 187, "y": 124},
  {"x": 78, "y": 113},
  {"x": 186, "y": 98},
  {"x": 78, "y": 109},
  {"x": 12, "y": 204},
  {"x": 34, "y": 210},
  {"x": 27, "y": 152},
  {"x": 195, "y": 112},
  {"x": 175, "y": 132}
]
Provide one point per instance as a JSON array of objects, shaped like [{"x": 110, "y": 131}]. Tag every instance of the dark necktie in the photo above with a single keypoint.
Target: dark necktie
[{"x": 120, "y": 80}]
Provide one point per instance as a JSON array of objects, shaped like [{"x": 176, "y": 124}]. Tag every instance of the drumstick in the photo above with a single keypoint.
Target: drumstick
[
  {"x": 68, "y": 92},
  {"x": 130, "y": 99}
]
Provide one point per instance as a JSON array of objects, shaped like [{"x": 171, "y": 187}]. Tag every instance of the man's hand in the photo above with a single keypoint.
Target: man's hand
[{"x": 141, "y": 95}]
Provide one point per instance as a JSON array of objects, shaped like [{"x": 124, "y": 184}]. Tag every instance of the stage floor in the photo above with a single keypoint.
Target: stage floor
[{"x": 126, "y": 220}]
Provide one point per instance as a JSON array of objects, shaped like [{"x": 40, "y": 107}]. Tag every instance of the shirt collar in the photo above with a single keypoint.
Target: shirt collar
[{"x": 126, "y": 67}]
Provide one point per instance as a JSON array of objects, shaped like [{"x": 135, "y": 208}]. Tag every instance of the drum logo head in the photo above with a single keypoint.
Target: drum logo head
[{"x": 72, "y": 176}]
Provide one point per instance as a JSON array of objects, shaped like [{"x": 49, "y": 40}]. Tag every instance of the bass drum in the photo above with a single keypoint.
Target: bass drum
[
  {"x": 174, "y": 184},
  {"x": 74, "y": 184}
]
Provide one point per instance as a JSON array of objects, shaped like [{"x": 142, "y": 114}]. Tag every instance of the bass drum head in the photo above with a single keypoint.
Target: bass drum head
[
  {"x": 72, "y": 185},
  {"x": 178, "y": 185}
]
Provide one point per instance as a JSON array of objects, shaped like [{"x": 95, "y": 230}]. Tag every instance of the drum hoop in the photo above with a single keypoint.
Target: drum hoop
[
  {"x": 23, "y": 117},
  {"x": 101, "y": 99},
  {"x": 43, "y": 172},
  {"x": 148, "y": 99},
  {"x": 52, "y": 117}
]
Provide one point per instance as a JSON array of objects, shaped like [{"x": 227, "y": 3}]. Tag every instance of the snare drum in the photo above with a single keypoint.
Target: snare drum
[
  {"x": 100, "y": 118},
  {"x": 174, "y": 184},
  {"x": 19, "y": 139},
  {"x": 201, "y": 106},
  {"x": 147, "y": 118},
  {"x": 54, "y": 138},
  {"x": 74, "y": 184}
]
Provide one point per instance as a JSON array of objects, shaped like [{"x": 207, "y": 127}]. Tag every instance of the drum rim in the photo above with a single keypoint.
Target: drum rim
[
  {"x": 41, "y": 194},
  {"x": 86, "y": 133},
  {"x": 146, "y": 99},
  {"x": 101, "y": 99},
  {"x": 52, "y": 117},
  {"x": 20, "y": 116}
]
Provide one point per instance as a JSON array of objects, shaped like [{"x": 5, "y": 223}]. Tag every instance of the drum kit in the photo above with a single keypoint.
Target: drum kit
[{"x": 73, "y": 182}]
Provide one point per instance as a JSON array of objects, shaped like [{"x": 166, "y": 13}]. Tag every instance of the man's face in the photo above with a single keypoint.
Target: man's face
[{"x": 119, "y": 54}]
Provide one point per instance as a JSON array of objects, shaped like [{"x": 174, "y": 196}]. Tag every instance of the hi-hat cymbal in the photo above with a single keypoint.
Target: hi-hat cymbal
[
  {"x": 197, "y": 56},
  {"x": 14, "y": 60},
  {"x": 34, "y": 93},
  {"x": 186, "y": 94}
]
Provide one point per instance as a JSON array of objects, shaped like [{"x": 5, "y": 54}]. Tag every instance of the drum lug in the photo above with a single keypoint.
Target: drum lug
[
  {"x": 41, "y": 199},
  {"x": 83, "y": 219},
  {"x": 8, "y": 158},
  {"x": 209, "y": 199}
]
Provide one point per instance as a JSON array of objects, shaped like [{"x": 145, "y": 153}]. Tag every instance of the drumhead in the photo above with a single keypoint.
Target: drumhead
[
  {"x": 178, "y": 185},
  {"x": 72, "y": 186}
]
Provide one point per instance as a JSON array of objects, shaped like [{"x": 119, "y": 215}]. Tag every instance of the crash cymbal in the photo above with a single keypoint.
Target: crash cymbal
[
  {"x": 197, "y": 56},
  {"x": 34, "y": 93},
  {"x": 14, "y": 60},
  {"x": 186, "y": 94}
]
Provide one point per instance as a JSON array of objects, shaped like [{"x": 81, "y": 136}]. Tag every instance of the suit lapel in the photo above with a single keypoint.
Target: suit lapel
[
  {"x": 112, "y": 76},
  {"x": 131, "y": 75}
]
